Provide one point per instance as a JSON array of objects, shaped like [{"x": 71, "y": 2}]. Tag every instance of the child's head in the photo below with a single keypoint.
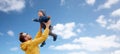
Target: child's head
[
  {"x": 24, "y": 37},
  {"x": 41, "y": 13}
]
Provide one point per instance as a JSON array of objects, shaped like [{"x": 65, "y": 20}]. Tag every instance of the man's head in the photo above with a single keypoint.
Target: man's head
[
  {"x": 24, "y": 37},
  {"x": 41, "y": 13}
]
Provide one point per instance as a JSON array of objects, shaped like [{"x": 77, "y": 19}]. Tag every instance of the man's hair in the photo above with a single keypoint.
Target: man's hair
[{"x": 21, "y": 37}]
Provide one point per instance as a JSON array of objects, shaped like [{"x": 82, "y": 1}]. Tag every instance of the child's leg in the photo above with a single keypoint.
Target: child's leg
[
  {"x": 43, "y": 43},
  {"x": 52, "y": 34}
]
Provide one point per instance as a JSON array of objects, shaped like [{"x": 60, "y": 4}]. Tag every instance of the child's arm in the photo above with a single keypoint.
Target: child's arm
[{"x": 36, "y": 20}]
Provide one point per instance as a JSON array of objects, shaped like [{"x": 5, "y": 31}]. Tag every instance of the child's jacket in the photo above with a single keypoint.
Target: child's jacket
[
  {"x": 42, "y": 19},
  {"x": 31, "y": 46}
]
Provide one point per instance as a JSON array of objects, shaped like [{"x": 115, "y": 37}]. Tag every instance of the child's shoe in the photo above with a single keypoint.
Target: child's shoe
[
  {"x": 55, "y": 38},
  {"x": 43, "y": 43}
]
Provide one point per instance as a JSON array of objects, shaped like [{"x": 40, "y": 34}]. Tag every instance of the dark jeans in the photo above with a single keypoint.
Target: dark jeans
[{"x": 50, "y": 33}]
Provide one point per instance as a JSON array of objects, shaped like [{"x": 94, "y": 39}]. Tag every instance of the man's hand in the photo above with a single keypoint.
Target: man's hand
[{"x": 47, "y": 24}]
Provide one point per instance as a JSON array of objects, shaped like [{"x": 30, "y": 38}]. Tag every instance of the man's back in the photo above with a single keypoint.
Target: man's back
[{"x": 30, "y": 48}]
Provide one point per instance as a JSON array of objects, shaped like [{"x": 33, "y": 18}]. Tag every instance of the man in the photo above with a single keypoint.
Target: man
[{"x": 31, "y": 46}]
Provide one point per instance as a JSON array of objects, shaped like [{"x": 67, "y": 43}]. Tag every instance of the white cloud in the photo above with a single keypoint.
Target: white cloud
[
  {"x": 116, "y": 52},
  {"x": 114, "y": 23},
  {"x": 116, "y": 12},
  {"x": 108, "y": 4},
  {"x": 101, "y": 20},
  {"x": 11, "y": 5},
  {"x": 77, "y": 53},
  {"x": 110, "y": 23},
  {"x": 65, "y": 30},
  {"x": 97, "y": 43},
  {"x": 14, "y": 49},
  {"x": 62, "y": 2},
  {"x": 90, "y": 2},
  {"x": 10, "y": 33},
  {"x": 1, "y": 34},
  {"x": 114, "y": 26},
  {"x": 66, "y": 47},
  {"x": 79, "y": 30}
]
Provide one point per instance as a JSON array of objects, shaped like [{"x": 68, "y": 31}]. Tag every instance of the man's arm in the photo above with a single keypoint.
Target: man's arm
[
  {"x": 43, "y": 36},
  {"x": 39, "y": 34}
]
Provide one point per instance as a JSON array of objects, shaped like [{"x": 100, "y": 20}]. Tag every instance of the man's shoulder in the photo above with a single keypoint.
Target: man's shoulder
[{"x": 26, "y": 42}]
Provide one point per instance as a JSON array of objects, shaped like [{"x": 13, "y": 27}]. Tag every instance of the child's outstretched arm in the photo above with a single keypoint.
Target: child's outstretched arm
[{"x": 36, "y": 20}]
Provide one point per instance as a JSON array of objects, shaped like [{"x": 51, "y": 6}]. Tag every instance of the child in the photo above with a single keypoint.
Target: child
[{"x": 43, "y": 19}]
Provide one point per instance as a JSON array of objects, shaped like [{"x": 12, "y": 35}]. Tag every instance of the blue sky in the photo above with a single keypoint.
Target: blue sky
[{"x": 82, "y": 26}]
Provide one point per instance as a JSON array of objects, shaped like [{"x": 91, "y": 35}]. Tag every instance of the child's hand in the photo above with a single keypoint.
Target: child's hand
[{"x": 49, "y": 17}]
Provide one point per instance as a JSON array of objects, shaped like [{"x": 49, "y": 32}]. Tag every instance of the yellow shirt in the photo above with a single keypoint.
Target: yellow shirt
[{"x": 31, "y": 46}]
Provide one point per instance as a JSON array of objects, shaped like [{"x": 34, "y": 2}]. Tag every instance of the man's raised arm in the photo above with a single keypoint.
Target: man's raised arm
[
  {"x": 39, "y": 33},
  {"x": 43, "y": 36}
]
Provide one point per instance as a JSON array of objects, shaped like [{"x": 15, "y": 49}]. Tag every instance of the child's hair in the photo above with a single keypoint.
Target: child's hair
[
  {"x": 43, "y": 12},
  {"x": 21, "y": 37}
]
